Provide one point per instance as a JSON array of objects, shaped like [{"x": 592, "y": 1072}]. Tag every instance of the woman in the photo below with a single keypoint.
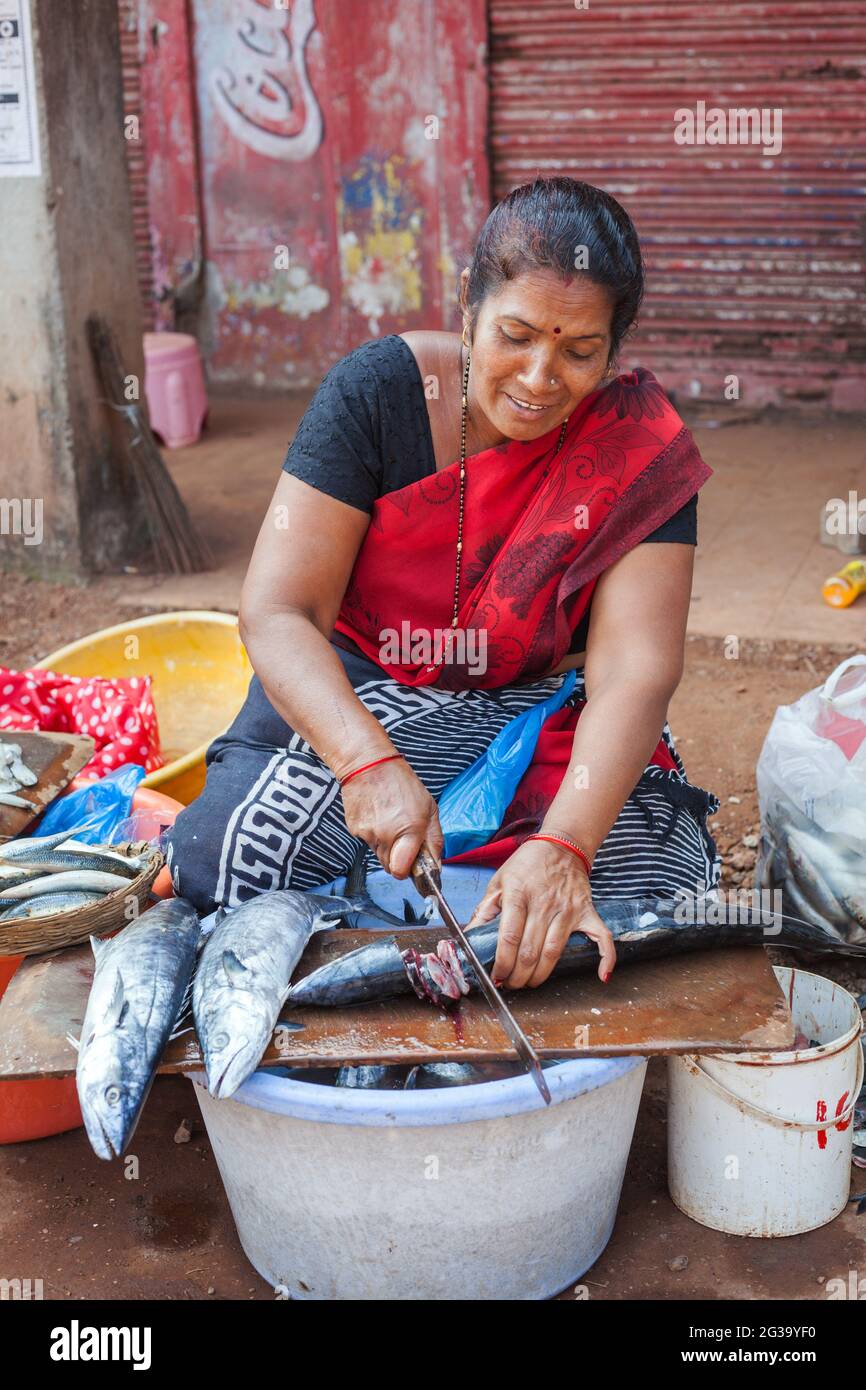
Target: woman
[{"x": 461, "y": 520}]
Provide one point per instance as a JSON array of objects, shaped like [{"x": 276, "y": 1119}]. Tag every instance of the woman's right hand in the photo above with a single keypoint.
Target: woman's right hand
[{"x": 390, "y": 809}]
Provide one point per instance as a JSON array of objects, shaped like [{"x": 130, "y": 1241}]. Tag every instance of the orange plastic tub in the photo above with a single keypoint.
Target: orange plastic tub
[{"x": 36, "y": 1109}]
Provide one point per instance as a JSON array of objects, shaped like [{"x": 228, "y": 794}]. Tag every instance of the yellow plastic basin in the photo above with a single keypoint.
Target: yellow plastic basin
[{"x": 200, "y": 676}]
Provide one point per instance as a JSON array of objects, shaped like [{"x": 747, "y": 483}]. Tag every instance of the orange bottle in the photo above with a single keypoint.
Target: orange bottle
[{"x": 842, "y": 588}]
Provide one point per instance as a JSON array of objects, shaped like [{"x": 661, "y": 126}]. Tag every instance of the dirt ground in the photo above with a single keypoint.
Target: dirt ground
[{"x": 90, "y": 1232}]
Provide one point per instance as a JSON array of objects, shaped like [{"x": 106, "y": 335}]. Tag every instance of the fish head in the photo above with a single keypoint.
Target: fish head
[
  {"x": 234, "y": 1047},
  {"x": 237, "y": 1026},
  {"x": 112, "y": 1077}
]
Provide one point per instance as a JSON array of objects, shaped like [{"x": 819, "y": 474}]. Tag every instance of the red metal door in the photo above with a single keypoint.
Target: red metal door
[
  {"x": 338, "y": 152},
  {"x": 755, "y": 260}
]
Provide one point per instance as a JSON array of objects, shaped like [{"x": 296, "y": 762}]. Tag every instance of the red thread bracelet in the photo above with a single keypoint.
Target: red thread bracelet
[
  {"x": 358, "y": 770},
  {"x": 575, "y": 849}
]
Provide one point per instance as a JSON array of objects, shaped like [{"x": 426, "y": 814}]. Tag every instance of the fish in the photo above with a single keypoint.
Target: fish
[
  {"x": 642, "y": 928},
  {"x": 31, "y": 845},
  {"x": 74, "y": 880},
  {"x": 821, "y": 873},
  {"x": 827, "y": 848},
  {"x": 356, "y": 888},
  {"x": 367, "y": 973},
  {"x": 371, "y": 1078},
  {"x": 140, "y": 982},
  {"x": 20, "y": 803},
  {"x": 813, "y": 888},
  {"x": 13, "y": 768},
  {"x": 856, "y": 909},
  {"x": 24, "y": 775},
  {"x": 245, "y": 972},
  {"x": 13, "y": 874},
  {"x": 315, "y": 1076},
  {"x": 72, "y": 855},
  {"x": 427, "y": 1076},
  {"x": 794, "y": 902},
  {"x": 47, "y": 904},
  {"x": 435, "y": 1075},
  {"x": 15, "y": 774},
  {"x": 849, "y": 889}
]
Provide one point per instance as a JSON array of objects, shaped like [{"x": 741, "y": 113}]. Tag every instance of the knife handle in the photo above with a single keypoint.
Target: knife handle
[{"x": 426, "y": 865}]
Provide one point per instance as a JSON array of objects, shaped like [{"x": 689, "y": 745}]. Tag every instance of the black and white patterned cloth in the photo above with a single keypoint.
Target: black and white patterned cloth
[{"x": 271, "y": 814}]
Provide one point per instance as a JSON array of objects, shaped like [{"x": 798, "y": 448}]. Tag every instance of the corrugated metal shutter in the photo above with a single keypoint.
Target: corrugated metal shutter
[
  {"x": 136, "y": 156},
  {"x": 756, "y": 265}
]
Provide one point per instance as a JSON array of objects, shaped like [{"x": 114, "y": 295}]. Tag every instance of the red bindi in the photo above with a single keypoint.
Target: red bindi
[{"x": 557, "y": 330}]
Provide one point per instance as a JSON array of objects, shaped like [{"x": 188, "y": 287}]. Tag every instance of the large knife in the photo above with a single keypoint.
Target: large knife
[{"x": 428, "y": 881}]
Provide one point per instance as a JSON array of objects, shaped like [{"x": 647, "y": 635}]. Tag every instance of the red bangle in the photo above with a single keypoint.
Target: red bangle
[
  {"x": 349, "y": 775},
  {"x": 566, "y": 844}
]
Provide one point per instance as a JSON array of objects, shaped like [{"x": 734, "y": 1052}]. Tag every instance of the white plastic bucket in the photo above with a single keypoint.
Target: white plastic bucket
[
  {"x": 760, "y": 1144},
  {"x": 475, "y": 1192}
]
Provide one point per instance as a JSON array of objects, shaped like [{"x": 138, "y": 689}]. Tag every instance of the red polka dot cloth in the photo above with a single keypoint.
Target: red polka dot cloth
[{"x": 118, "y": 714}]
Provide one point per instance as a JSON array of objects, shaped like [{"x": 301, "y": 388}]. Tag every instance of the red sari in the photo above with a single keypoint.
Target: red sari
[{"x": 540, "y": 527}]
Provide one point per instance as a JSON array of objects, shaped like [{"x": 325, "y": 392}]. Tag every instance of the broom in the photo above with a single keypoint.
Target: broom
[{"x": 176, "y": 546}]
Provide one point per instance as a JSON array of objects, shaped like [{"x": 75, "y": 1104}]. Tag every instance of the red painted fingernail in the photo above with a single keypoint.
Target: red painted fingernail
[
  {"x": 606, "y": 977},
  {"x": 497, "y": 983}
]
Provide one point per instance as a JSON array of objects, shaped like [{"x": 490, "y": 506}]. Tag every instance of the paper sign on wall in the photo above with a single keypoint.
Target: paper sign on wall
[{"x": 19, "y": 130}]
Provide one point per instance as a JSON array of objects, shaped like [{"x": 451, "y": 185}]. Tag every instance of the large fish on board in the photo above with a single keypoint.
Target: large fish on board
[
  {"x": 642, "y": 928},
  {"x": 245, "y": 972},
  {"x": 138, "y": 991}
]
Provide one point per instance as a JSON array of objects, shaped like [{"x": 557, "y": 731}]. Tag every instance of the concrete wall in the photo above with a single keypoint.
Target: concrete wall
[{"x": 67, "y": 251}]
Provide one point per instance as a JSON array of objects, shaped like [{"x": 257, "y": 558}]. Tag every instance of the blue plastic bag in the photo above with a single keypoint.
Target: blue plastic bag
[
  {"x": 471, "y": 807},
  {"x": 93, "y": 812}
]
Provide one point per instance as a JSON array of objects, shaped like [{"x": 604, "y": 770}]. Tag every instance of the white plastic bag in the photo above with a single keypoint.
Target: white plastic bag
[
  {"x": 812, "y": 793},
  {"x": 805, "y": 758}
]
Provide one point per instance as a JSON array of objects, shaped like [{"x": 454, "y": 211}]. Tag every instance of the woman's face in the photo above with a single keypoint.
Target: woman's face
[{"x": 541, "y": 343}]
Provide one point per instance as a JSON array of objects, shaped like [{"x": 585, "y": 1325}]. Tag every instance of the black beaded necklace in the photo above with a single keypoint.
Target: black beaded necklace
[{"x": 462, "y": 498}]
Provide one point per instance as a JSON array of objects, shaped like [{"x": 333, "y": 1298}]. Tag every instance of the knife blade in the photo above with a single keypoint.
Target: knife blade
[{"x": 428, "y": 881}]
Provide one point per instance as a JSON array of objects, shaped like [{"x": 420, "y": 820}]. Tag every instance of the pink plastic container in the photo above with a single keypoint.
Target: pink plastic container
[{"x": 174, "y": 386}]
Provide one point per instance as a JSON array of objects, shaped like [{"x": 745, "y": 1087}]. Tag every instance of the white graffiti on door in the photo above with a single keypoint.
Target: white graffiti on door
[{"x": 253, "y": 90}]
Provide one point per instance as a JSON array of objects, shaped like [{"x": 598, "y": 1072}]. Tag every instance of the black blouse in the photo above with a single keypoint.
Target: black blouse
[{"x": 366, "y": 432}]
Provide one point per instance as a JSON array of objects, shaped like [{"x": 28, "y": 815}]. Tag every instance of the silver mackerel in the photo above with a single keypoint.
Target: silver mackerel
[
  {"x": 245, "y": 973},
  {"x": 139, "y": 985}
]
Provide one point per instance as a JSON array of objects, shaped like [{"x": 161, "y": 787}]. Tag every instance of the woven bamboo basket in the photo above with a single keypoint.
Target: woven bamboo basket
[{"x": 33, "y": 936}]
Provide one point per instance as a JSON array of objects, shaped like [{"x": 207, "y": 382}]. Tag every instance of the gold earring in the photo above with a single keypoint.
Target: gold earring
[{"x": 463, "y": 334}]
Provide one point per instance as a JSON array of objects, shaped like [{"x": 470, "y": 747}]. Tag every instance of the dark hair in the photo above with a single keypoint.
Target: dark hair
[{"x": 541, "y": 224}]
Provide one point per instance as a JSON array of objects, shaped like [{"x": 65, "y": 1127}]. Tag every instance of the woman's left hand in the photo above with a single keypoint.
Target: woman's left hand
[{"x": 541, "y": 895}]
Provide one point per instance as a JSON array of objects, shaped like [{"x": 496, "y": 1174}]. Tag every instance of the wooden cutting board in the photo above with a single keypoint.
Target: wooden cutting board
[
  {"x": 56, "y": 759},
  {"x": 712, "y": 1001}
]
